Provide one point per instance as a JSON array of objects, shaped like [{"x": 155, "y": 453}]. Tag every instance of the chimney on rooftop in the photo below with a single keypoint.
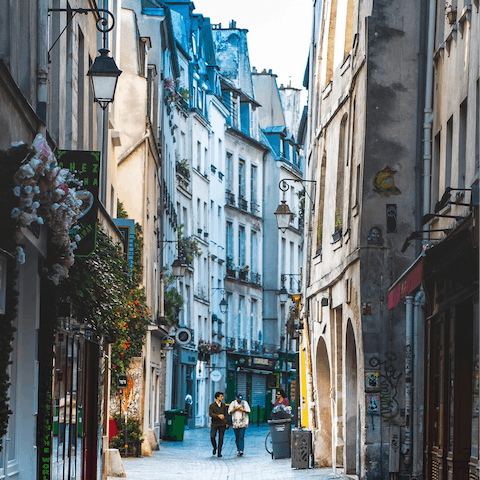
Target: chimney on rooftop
[{"x": 233, "y": 24}]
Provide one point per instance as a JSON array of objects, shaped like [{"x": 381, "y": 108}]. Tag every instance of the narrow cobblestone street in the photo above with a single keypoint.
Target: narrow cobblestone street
[{"x": 192, "y": 459}]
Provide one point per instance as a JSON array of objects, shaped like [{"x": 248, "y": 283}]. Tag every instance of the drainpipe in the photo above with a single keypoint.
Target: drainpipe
[
  {"x": 418, "y": 375},
  {"x": 428, "y": 111},
  {"x": 407, "y": 446}
]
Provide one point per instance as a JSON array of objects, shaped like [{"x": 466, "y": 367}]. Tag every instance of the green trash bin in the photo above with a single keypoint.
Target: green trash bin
[{"x": 175, "y": 424}]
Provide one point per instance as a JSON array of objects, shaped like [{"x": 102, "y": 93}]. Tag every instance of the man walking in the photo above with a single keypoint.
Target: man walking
[
  {"x": 218, "y": 413},
  {"x": 239, "y": 409}
]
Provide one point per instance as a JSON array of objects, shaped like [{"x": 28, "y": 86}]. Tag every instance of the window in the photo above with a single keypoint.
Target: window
[
  {"x": 205, "y": 216},
  {"x": 241, "y": 178},
  {"x": 254, "y": 252},
  {"x": 199, "y": 156},
  {"x": 340, "y": 173},
  {"x": 241, "y": 246},
  {"x": 241, "y": 317},
  {"x": 229, "y": 172},
  {"x": 321, "y": 203},
  {"x": 206, "y": 162},
  {"x": 229, "y": 240},
  {"x": 150, "y": 90},
  {"x": 448, "y": 154},
  {"x": 245, "y": 117},
  {"x": 220, "y": 154},
  {"x": 253, "y": 184},
  {"x": 435, "y": 173},
  {"x": 199, "y": 212},
  {"x": 462, "y": 145}
]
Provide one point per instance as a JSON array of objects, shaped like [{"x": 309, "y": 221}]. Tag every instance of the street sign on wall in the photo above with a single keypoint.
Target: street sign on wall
[{"x": 86, "y": 166}]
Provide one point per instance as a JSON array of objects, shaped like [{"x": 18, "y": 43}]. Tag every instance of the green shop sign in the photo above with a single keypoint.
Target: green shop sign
[{"x": 86, "y": 166}]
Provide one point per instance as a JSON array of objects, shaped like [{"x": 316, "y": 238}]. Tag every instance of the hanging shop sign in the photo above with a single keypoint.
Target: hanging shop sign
[{"x": 86, "y": 166}]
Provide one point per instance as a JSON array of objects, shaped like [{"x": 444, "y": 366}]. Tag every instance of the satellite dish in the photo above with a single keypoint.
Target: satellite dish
[
  {"x": 215, "y": 375},
  {"x": 183, "y": 336}
]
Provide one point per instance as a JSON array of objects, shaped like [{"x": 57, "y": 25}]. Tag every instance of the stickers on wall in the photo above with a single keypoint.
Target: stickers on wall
[{"x": 384, "y": 182}]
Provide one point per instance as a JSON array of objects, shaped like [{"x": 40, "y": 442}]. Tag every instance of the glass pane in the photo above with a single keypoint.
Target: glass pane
[{"x": 474, "y": 441}]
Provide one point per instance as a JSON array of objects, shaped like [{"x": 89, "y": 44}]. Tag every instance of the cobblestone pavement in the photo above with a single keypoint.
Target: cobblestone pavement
[{"x": 192, "y": 459}]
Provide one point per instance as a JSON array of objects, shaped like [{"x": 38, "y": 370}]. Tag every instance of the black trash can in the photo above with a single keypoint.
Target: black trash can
[
  {"x": 280, "y": 433},
  {"x": 175, "y": 427},
  {"x": 301, "y": 448}
]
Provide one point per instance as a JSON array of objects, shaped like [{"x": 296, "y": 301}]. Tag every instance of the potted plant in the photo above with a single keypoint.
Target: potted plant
[
  {"x": 244, "y": 272},
  {"x": 337, "y": 234},
  {"x": 451, "y": 13}
]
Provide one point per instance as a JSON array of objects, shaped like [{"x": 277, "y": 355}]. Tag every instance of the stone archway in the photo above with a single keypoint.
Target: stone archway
[
  {"x": 323, "y": 448},
  {"x": 351, "y": 402}
]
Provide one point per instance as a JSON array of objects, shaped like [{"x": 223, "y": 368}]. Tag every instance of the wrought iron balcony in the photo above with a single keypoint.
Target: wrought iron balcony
[{"x": 230, "y": 198}]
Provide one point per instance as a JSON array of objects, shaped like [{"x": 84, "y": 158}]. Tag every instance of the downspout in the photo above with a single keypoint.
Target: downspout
[
  {"x": 407, "y": 446},
  {"x": 428, "y": 110},
  {"x": 418, "y": 376},
  {"x": 423, "y": 29}
]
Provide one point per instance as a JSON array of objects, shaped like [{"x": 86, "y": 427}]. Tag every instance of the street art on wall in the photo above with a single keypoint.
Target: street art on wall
[
  {"x": 375, "y": 237},
  {"x": 388, "y": 380},
  {"x": 372, "y": 381},
  {"x": 384, "y": 182}
]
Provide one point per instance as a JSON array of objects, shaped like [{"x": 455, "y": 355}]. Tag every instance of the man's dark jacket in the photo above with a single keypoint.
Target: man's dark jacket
[{"x": 214, "y": 411}]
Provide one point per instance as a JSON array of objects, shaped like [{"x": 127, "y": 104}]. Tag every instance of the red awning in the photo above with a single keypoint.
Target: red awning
[{"x": 408, "y": 282}]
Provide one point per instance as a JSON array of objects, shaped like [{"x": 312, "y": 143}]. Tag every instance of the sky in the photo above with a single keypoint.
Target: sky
[{"x": 278, "y": 36}]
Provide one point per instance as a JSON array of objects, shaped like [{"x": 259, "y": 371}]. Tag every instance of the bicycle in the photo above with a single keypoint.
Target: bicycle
[{"x": 269, "y": 444}]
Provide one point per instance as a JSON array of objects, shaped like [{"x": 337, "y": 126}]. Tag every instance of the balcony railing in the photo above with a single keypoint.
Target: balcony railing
[
  {"x": 256, "y": 278},
  {"x": 230, "y": 343},
  {"x": 243, "y": 344},
  {"x": 254, "y": 208},
  {"x": 255, "y": 346},
  {"x": 242, "y": 204},
  {"x": 230, "y": 198}
]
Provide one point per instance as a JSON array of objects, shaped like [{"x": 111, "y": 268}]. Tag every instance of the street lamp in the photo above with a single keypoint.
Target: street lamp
[
  {"x": 283, "y": 213},
  {"x": 284, "y": 216},
  {"x": 179, "y": 267},
  {"x": 104, "y": 75},
  {"x": 223, "y": 305},
  {"x": 283, "y": 295}
]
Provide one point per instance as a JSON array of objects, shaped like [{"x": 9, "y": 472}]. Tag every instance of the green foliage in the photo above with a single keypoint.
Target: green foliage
[
  {"x": 338, "y": 221},
  {"x": 188, "y": 248},
  {"x": 121, "y": 212},
  {"x": 173, "y": 301},
  {"x": 134, "y": 433},
  {"x": 104, "y": 296},
  {"x": 9, "y": 164}
]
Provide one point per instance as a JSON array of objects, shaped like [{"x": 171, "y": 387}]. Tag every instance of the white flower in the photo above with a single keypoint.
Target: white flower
[
  {"x": 55, "y": 206},
  {"x": 17, "y": 144},
  {"x": 28, "y": 202},
  {"x": 15, "y": 212},
  {"x": 35, "y": 205},
  {"x": 77, "y": 238},
  {"x": 28, "y": 189},
  {"x": 40, "y": 220},
  {"x": 17, "y": 191},
  {"x": 36, "y": 189},
  {"x": 73, "y": 246}
]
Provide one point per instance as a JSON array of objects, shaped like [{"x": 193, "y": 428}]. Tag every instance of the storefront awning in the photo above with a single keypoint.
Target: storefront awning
[{"x": 408, "y": 282}]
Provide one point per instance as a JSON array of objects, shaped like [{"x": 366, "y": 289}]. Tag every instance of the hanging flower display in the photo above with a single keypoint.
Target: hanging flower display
[
  {"x": 47, "y": 194},
  {"x": 171, "y": 86},
  {"x": 209, "y": 348}
]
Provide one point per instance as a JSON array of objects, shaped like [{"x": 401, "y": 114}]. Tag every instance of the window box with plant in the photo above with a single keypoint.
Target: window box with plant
[
  {"x": 337, "y": 233},
  {"x": 182, "y": 168},
  {"x": 205, "y": 349},
  {"x": 231, "y": 272},
  {"x": 243, "y": 272},
  {"x": 451, "y": 13},
  {"x": 188, "y": 247}
]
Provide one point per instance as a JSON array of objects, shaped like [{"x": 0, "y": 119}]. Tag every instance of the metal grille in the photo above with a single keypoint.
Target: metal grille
[
  {"x": 230, "y": 197},
  {"x": 434, "y": 470}
]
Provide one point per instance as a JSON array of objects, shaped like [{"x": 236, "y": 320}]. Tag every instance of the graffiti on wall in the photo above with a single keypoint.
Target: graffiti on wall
[{"x": 388, "y": 383}]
